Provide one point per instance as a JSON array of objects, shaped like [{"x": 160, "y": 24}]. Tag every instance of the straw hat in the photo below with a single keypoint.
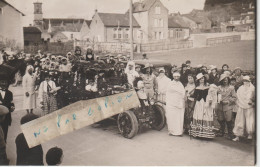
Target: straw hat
[
  {"x": 222, "y": 76},
  {"x": 161, "y": 69},
  {"x": 199, "y": 76},
  {"x": 246, "y": 78}
]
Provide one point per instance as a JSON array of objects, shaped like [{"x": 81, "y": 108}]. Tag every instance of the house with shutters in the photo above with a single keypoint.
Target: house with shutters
[
  {"x": 152, "y": 16},
  {"x": 112, "y": 27},
  {"x": 11, "y": 29}
]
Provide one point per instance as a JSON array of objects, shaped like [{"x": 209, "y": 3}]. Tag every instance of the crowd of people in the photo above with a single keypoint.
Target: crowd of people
[{"x": 193, "y": 97}]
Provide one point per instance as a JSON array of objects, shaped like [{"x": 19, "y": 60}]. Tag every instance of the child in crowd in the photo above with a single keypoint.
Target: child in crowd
[{"x": 54, "y": 156}]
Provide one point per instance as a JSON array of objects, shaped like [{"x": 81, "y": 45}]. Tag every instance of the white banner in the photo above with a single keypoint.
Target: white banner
[{"x": 76, "y": 116}]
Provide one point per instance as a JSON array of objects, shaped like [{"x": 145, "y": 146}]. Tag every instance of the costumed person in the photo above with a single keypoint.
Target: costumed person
[
  {"x": 3, "y": 156},
  {"x": 162, "y": 82},
  {"x": 6, "y": 99},
  {"x": 47, "y": 95},
  {"x": 175, "y": 106},
  {"x": 225, "y": 67},
  {"x": 189, "y": 102},
  {"x": 65, "y": 66},
  {"x": 245, "y": 118},
  {"x": 205, "y": 101},
  {"x": 54, "y": 156},
  {"x": 91, "y": 89},
  {"x": 144, "y": 57},
  {"x": 237, "y": 74},
  {"x": 29, "y": 98},
  {"x": 213, "y": 75},
  {"x": 226, "y": 101},
  {"x": 131, "y": 73},
  {"x": 28, "y": 156},
  {"x": 89, "y": 55},
  {"x": 149, "y": 79}
]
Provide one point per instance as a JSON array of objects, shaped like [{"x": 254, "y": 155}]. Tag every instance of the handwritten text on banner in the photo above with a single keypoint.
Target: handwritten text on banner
[{"x": 76, "y": 116}]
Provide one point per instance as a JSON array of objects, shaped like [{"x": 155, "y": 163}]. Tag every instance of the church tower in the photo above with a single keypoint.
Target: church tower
[{"x": 38, "y": 19}]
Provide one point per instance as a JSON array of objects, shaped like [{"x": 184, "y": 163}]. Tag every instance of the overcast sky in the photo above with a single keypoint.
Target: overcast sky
[{"x": 85, "y": 8}]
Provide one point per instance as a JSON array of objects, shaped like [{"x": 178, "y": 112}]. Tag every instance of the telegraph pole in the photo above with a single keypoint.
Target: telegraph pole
[{"x": 131, "y": 30}]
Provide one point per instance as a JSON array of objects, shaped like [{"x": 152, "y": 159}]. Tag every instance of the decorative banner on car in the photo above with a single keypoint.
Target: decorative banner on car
[{"x": 76, "y": 116}]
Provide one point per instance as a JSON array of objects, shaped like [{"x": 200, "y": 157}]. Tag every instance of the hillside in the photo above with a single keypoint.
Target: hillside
[{"x": 221, "y": 10}]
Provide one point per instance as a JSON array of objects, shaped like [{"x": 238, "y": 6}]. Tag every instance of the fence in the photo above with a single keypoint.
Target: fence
[
  {"x": 160, "y": 46},
  {"x": 105, "y": 47},
  {"x": 223, "y": 40},
  {"x": 54, "y": 48}
]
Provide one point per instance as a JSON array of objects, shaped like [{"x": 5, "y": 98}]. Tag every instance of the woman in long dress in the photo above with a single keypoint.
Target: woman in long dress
[
  {"x": 245, "y": 119},
  {"x": 205, "y": 101},
  {"x": 29, "y": 100},
  {"x": 47, "y": 95},
  {"x": 175, "y": 106}
]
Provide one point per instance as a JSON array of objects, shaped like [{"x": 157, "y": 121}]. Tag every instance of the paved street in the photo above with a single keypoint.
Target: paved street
[{"x": 105, "y": 146}]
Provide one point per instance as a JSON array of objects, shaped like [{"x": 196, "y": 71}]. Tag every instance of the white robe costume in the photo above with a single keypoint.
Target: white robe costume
[
  {"x": 245, "y": 118},
  {"x": 175, "y": 107},
  {"x": 131, "y": 74},
  {"x": 29, "y": 86},
  {"x": 162, "y": 82}
]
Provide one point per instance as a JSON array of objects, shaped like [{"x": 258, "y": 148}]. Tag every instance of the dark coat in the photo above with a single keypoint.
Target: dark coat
[
  {"x": 8, "y": 102},
  {"x": 25, "y": 155},
  {"x": 213, "y": 79}
]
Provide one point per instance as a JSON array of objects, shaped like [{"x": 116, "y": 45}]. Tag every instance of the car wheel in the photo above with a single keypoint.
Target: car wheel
[{"x": 127, "y": 124}]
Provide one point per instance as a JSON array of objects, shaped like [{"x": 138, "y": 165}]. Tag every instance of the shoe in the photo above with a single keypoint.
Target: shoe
[
  {"x": 250, "y": 137},
  {"x": 236, "y": 139}
]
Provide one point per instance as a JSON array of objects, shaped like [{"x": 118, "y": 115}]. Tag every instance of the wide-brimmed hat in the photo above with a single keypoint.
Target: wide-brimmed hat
[
  {"x": 199, "y": 76},
  {"x": 3, "y": 110},
  {"x": 222, "y": 77},
  {"x": 212, "y": 67},
  {"x": 137, "y": 66},
  {"x": 228, "y": 73},
  {"x": 246, "y": 78},
  {"x": 147, "y": 65},
  {"x": 161, "y": 69}
]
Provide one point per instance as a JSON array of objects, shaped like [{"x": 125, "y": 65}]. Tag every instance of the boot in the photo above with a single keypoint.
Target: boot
[
  {"x": 222, "y": 129},
  {"x": 229, "y": 127}
]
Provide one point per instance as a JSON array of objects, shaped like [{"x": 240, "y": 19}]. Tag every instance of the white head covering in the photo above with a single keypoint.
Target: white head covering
[
  {"x": 127, "y": 66},
  {"x": 176, "y": 74},
  {"x": 199, "y": 76},
  {"x": 29, "y": 67}
]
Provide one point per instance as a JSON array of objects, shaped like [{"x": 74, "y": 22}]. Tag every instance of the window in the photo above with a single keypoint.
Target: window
[
  {"x": 115, "y": 33},
  {"x": 119, "y": 33},
  {"x": 155, "y": 22},
  {"x": 157, "y": 10},
  {"x": 160, "y": 35},
  {"x": 1, "y": 11},
  {"x": 161, "y": 22},
  {"x": 127, "y": 33},
  {"x": 71, "y": 36},
  {"x": 155, "y": 35}
]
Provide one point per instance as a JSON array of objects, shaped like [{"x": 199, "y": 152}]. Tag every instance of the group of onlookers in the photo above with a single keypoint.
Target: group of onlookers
[
  {"x": 196, "y": 97},
  {"x": 192, "y": 97}
]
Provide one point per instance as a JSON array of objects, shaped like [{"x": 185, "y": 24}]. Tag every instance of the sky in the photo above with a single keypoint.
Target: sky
[{"x": 85, "y": 8}]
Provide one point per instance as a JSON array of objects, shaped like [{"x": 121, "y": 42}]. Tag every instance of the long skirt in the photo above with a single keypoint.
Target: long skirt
[
  {"x": 245, "y": 120},
  {"x": 49, "y": 103},
  {"x": 30, "y": 101},
  {"x": 175, "y": 119},
  {"x": 188, "y": 113},
  {"x": 202, "y": 123}
]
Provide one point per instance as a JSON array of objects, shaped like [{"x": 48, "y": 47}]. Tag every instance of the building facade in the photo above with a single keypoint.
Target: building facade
[
  {"x": 112, "y": 27},
  {"x": 152, "y": 16},
  {"x": 11, "y": 29},
  {"x": 32, "y": 36}
]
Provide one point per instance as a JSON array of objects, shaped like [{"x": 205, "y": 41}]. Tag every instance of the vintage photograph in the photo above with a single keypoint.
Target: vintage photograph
[{"x": 128, "y": 82}]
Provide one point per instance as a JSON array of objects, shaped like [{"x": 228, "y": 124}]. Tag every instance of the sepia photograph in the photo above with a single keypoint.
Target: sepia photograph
[{"x": 128, "y": 82}]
